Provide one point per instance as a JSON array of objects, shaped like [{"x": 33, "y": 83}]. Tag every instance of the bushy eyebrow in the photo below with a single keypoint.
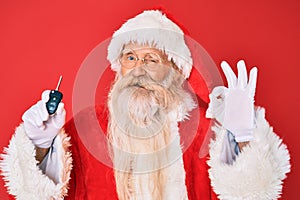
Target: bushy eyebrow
[
  {"x": 127, "y": 51},
  {"x": 151, "y": 55}
]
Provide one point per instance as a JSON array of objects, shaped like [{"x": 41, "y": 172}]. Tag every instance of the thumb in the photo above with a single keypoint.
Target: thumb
[{"x": 45, "y": 95}]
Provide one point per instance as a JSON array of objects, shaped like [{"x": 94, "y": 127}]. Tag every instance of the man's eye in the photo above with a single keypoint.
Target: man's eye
[
  {"x": 153, "y": 61},
  {"x": 130, "y": 58}
]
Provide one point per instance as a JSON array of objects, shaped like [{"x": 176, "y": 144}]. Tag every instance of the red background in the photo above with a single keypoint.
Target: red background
[{"x": 39, "y": 40}]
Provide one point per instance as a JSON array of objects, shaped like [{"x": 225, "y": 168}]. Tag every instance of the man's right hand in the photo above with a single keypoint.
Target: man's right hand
[{"x": 40, "y": 127}]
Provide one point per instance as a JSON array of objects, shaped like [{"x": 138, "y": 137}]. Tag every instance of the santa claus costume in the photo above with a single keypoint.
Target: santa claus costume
[{"x": 71, "y": 171}]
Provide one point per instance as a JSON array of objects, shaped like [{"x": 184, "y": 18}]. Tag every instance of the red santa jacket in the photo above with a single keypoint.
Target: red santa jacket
[{"x": 91, "y": 179}]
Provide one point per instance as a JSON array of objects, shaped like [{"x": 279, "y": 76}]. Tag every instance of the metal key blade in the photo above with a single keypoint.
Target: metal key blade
[{"x": 59, "y": 81}]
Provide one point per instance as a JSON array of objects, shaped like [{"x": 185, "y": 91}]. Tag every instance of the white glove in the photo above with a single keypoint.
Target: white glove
[
  {"x": 39, "y": 126},
  {"x": 233, "y": 107}
]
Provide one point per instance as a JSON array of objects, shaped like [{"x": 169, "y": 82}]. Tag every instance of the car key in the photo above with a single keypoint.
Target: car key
[{"x": 55, "y": 98}]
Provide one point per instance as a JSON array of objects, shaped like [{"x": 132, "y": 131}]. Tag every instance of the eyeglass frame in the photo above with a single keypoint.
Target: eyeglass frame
[{"x": 160, "y": 59}]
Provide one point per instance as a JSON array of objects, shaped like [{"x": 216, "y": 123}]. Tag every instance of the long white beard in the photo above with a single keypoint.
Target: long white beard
[{"x": 144, "y": 140}]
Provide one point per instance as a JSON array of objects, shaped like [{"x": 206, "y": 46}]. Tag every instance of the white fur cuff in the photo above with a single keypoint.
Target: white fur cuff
[
  {"x": 22, "y": 175},
  {"x": 259, "y": 169}
]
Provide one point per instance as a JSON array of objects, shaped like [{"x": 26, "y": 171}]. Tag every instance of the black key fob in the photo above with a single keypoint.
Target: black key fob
[{"x": 55, "y": 98}]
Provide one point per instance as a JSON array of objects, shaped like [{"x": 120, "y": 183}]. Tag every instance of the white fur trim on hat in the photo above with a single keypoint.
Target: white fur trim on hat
[{"x": 152, "y": 28}]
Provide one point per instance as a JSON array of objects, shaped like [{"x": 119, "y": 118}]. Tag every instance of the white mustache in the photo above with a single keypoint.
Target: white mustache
[{"x": 142, "y": 82}]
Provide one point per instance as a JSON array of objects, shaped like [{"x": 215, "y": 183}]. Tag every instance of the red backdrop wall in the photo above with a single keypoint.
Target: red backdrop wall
[{"x": 40, "y": 40}]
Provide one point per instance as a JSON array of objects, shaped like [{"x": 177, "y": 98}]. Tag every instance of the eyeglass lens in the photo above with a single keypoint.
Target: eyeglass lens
[{"x": 129, "y": 59}]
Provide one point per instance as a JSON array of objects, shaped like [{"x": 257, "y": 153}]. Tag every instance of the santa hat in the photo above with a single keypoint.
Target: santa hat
[{"x": 152, "y": 28}]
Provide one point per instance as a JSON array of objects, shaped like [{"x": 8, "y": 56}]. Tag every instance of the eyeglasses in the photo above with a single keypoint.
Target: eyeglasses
[{"x": 129, "y": 59}]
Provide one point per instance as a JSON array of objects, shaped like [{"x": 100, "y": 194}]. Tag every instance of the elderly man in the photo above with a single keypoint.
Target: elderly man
[{"x": 144, "y": 144}]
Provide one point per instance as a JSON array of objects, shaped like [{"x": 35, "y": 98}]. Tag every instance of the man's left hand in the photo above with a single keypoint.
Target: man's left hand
[{"x": 233, "y": 107}]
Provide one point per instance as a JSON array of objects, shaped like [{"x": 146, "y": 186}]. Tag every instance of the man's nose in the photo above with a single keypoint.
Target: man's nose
[{"x": 139, "y": 70}]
